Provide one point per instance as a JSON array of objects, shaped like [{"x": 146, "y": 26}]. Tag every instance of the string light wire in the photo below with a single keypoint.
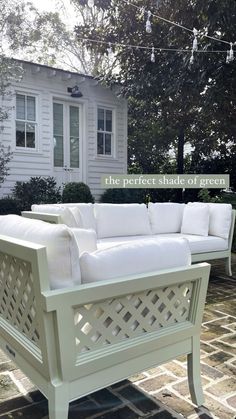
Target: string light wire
[{"x": 174, "y": 23}]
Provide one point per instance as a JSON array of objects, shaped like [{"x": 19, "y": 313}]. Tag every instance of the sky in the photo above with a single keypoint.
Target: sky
[{"x": 63, "y": 6}]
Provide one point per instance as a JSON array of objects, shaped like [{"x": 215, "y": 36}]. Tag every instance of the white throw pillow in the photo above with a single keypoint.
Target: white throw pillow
[
  {"x": 115, "y": 220},
  {"x": 86, "y": 239},
  {"x": 196, "y": 220},
  {"x": 67, "y": 216},
  {"x": 220, "y": 219},
  {"x": 134, "y": 258},
  {"x": 86, "y": 213},
  {"x": 165, "y": 217},
  {"x": 61, "y": 246}
]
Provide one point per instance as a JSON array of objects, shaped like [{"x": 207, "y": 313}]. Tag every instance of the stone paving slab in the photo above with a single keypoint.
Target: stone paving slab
[{"x": 161, "y": 392}]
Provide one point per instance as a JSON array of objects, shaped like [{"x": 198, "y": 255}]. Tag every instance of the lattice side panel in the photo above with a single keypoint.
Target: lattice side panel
[
  {"x": 130, "y": 316},
  {"x": 17, "y": 301}
]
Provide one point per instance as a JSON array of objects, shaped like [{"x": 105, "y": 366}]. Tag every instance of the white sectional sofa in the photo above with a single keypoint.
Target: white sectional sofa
[
  {"x": 76, "y": 319},
  {"x": 208, "y": 228}
]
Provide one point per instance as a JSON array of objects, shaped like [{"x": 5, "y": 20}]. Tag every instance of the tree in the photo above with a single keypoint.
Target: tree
[{"x": 183, "y": 101}]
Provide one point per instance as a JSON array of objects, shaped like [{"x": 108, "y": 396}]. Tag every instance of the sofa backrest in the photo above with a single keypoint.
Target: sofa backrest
[
  {"x": 165, "y": 217},
  {"x": 115, "y": 220},
  {"x": 61, "y": 246}
]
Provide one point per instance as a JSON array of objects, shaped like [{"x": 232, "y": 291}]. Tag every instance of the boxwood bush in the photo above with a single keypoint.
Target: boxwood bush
[{"x": 76, "y": 192}]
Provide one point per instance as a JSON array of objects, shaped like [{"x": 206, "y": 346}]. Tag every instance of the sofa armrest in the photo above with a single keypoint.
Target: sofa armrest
[{"x": 86, "y": 239}]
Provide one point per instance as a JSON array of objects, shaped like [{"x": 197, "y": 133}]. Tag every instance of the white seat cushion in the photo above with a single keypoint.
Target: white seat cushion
[
  {"x": 121, "y": 220},
  {"x": 134, "y": 258},
  {"x": 196, "y": 220},
  {"x": 165, "y": 217},
  {"x": 61, "y": 246},
  {"x": 197, "y": 244}
]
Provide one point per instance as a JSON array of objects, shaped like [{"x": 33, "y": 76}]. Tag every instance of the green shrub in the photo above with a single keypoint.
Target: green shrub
[
  {"x": 123, "y": 196},
  {"x": 76, "y": 192},
  {"x": 9, "y": 206},
  {"x": 38, "y": 190},
  {"x": 205, "y": 196}
]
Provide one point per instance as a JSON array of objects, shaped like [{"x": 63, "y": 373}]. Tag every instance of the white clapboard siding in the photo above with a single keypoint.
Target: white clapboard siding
[{"x": 47, "y": 85}]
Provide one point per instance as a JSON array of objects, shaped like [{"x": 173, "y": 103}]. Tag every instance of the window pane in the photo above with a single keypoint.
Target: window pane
[
  {"x": 101, "y": 119},
  {"x": 31, "y": 114},
  {"x": 108, "y": 144},
  {"x": 20, "y": 134},
  {"x": 20, "y": 107},
  {"x": 58, "y": 151},
  {"x": 58, "y": 119},
  {"x": 109, "y": 121},
  {"x": 100, "y": 143},
  {"x": 30, "y": 135}
]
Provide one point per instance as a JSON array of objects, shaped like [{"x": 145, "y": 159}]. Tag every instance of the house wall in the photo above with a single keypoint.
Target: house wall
[{"x": 47, "y": 85}]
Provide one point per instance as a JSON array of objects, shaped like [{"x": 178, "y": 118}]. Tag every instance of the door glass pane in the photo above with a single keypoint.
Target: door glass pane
[
  {"x": 58, "y": 134},
  {"x": 30, "y": 135},
  {"x": 20, "y": 134},
  {"x": 58, "y": 119},
  {"x": 100, "y": 143},
  {"x": 101, "y": 119},
  {"x": 74, "y": 136},
  {"x": 109, "y": 121},
  {"x": 108, "y": 144},
  {"x": 58, "y": 151},
  {"x": 20, "y": 107},
  {"x": 31, "y": 108}
]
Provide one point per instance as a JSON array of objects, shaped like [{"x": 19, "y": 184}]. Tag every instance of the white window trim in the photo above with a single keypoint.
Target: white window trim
[
  {"x": 113, "y": 136},
  {"x": 29, "y": 150}
]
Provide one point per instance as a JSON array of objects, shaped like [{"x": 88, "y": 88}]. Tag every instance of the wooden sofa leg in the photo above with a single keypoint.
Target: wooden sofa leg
[
  {"x": 58, "y": 404},
  {"x": 194, "y": 372},
  {"x": 228, "y": 266}
]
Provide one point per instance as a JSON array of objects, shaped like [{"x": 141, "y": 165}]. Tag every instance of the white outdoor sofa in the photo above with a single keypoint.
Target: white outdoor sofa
[
  {"x": 72, "y": 337},
  {"x": 209, "y": 228}
]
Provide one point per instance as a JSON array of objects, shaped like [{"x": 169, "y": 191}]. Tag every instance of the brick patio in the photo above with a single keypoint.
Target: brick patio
[{"x": 160, "y": 393}]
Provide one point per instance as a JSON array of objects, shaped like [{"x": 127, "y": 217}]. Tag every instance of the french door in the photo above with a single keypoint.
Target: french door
[{"x": 67, "y": 151}]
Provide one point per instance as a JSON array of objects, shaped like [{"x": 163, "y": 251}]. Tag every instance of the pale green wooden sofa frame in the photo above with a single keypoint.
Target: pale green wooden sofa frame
[
  {"x": 72, "y": 342},
  {"x": 198, "y": 257}
]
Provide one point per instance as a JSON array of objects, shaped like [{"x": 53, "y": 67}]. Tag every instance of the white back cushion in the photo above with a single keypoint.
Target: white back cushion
[
  {"x": 220, "y": 219},
  {"x": 86, "y": 213},
  {"x": 61, "y": 246},
  {"x": 165, "y": 217},
  {"x": 196, "y": 220},
  {"x": 69, "y": 216},
  {"x": 134, "y": 258},
  {"x": 121, "y": 220}
]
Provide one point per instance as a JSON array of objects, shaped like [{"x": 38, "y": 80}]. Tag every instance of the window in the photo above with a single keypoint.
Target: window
[
  {"x": 105, "y": 132},
  {"x": 26, "y": 124}
]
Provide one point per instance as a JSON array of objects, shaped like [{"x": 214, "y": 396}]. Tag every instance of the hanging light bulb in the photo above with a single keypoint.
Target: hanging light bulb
[
  {"x": 231, "y": 52},
  {"x": 109, "y": 49},
  {"x": 228, "y": 57},
  {"x": 90, "y": 3},
  {"x": 191, "y": 61},
  {"x": 195, "y": 33},
  {"x": 153, "y": 59},
  {"x": 148, "y": 23}
]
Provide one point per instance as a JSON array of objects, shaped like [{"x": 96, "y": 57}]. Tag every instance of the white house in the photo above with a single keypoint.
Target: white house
[{"x": 55, "y": 129}]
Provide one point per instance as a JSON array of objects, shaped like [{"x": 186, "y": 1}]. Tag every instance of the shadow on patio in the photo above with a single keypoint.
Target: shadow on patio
[{"x": 161, "y": 392}]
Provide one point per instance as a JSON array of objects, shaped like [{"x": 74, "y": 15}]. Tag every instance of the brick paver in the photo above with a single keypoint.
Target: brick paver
[{"x": 160, "y": 393}]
